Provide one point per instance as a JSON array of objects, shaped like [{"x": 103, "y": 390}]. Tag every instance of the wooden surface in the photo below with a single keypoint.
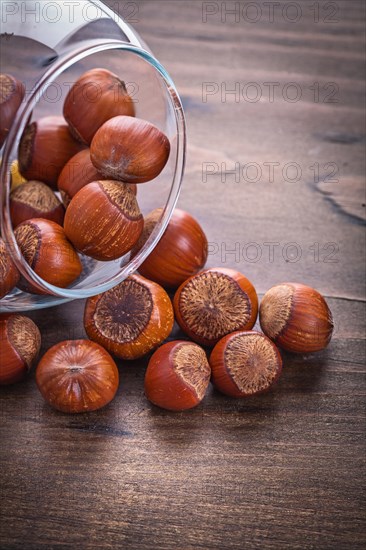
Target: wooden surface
[{"x": 283, "y": 470}]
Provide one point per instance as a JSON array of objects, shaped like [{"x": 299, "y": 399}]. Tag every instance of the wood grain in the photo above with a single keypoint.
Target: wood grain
[{"x": 284, "y": 470}]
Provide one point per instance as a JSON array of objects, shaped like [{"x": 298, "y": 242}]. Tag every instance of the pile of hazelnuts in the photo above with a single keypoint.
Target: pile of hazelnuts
[
  {"x": 94, "y": 163},
  {"x": 95, "y": 166}
]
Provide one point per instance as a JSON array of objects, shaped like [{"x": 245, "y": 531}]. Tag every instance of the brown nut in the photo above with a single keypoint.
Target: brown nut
[
  {"x": 103, "y": 220},
  {"x": 77, "y": 376},
  {"x": 9, "y": 275},
  {"x": 97, "y": 96},
  {"x": 180, "y": 253},
  {"x": 46, "y": 249},
  {"x": 35, "y": 199},
  {"x": 20, "y": 342},
  {"x": 11, "y": 96},
  {"x": 177, "y": 376},
  {"x": 296, "y": 317},
  {"x": 244, "y": 364},
  {"x": 45, "y": 147},
  {"x": 131, "y": 319},
  {"x": 214, "y": 303},
  {"x": 78, "y": 172},
  {"x": 129, "y": 149}
]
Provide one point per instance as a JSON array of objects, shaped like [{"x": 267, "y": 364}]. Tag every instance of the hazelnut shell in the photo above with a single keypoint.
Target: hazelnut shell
[
  {"x": 103, "y": 220},
  {"x": 96, "y": 96},
  {"x": 131, "y": 319},
  {"x": 35, "y": 199},
  {"x": 215, "y": 302},
  {"x": 177, "y": 376},
  {"x": 180, "y": 253},
  {"x": 77, "y": 376},
  {"x": 129, "y": 149},
  {"x": 45, "y": 148},
  {"x": 296, "y": 317},
  {"x": 20, "y": 342},
  {"x": 245, "y": 363},
  {"x": 11, "y": 96},
  {"x": 9, "y": 274},
  {"x": 46, "y": 249}
]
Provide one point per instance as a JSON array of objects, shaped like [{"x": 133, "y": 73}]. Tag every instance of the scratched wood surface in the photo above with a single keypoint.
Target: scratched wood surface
[{"x": 284, "y": 470}]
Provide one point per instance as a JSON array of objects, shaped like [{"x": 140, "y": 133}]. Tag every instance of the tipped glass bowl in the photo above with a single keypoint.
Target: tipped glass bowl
[{"x": 48, "y": 46}]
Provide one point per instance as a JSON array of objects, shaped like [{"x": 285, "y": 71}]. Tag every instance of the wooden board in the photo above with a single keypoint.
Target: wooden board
[{"x": 283, "y": 470}]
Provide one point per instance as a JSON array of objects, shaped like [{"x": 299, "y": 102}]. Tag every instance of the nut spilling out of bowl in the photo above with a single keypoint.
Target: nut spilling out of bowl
[{"x": 131, "y": 319}]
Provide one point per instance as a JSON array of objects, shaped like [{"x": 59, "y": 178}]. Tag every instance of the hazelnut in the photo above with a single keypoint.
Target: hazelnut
[
  {"x": 45, "y": 148},
  {"x": 103, "y": 220},
  {"x": 96, "y": 96},
  {"x": 214, "y": 303},
  {"x": 180, "y": 253},
  {"x": 11, "y": 96},
  {"x": 296, "y": 317},
  {"x": 78, "y": 172},
  {"x": 244, "y": 364},
  {"x": 9, "y": 275},
  {"x": 46, "y": 249},
  {"x": 177, "y": 376},
  {"x": 129, "y": 149},
  {"x": 77, "y": 376},
  {"x": 131, "y": 319},
  {"x": 35, "y": 199},
  {"x": 20, "y": 342}
]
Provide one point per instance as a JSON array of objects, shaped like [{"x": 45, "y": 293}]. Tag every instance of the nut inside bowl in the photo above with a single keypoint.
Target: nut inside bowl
[{"x": 156, "y": 100}]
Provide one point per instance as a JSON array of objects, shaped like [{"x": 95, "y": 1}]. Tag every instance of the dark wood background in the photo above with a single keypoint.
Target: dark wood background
[{"x": 283, "y": 470}]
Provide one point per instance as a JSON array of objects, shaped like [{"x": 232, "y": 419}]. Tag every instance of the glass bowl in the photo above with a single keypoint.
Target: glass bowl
[{"x": 48, "y": 51}]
